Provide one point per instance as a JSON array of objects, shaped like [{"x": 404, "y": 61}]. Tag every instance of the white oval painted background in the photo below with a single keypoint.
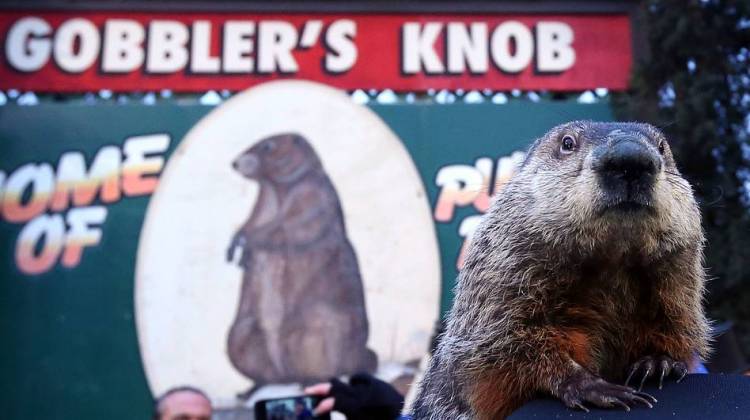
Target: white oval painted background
[{"x": 186, "y": 293}]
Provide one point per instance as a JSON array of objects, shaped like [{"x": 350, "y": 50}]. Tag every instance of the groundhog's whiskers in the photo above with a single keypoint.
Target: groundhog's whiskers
[{"x": 705, "y": 202}]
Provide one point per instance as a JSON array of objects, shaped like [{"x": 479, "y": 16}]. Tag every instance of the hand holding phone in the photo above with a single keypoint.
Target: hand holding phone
[{"x": 363, "y": 398}]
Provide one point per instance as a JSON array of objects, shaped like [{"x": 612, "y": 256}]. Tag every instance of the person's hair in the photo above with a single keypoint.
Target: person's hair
[{"x": 184, "y": 388}]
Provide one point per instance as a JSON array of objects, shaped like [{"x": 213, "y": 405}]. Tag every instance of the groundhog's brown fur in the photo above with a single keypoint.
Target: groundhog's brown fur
[{"x": 566, "y": 286}]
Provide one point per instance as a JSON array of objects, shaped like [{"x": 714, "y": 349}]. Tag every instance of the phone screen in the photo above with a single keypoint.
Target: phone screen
[{"x": 290, "y": 408}]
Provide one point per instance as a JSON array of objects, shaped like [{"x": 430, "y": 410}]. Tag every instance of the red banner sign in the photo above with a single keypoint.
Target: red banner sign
[{"x": 85, "y": 51}]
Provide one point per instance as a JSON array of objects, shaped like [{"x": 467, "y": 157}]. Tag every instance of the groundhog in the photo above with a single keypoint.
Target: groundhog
[
  {"x": 301, "y": 314},
  {"x": 584, "y": 274}
]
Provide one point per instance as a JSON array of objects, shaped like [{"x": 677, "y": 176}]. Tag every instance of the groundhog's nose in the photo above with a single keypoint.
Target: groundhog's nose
[{"x": 629, "y": 161}]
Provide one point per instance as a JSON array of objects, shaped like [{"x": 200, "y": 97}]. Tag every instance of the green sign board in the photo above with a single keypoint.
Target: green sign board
[{"x": 75, "y": 186}]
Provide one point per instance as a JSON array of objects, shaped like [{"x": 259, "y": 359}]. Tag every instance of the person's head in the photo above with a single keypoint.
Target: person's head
[{"x": 182, "y": 403}]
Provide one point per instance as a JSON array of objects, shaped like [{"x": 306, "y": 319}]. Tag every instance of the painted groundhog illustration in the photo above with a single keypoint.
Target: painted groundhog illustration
[{"x": 301, "y": 314}]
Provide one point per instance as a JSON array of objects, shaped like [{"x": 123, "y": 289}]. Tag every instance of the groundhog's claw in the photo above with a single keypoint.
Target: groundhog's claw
[
  {"x": 597, "y": 391},
  {"x": 647, "y": 396},
  {"x": 648, "y": 366},
  {"x": 681, "y": 370},
  {"x": 578, "y": 405}
]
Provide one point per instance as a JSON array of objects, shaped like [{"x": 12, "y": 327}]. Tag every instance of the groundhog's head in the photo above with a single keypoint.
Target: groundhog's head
[
  {"x": 282, "y": 158},
  {"x": 614, "y": 182}
]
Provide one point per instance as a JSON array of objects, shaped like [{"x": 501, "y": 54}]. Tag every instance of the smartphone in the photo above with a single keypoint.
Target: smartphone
[{"x": 288, "y": 408}]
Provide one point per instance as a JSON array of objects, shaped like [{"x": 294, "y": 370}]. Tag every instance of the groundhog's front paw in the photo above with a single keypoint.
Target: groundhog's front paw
[
  {"x": 587, "y": 388},
  {"x": 649, "y": 366},
  {"x": 238, "y": 241},
  {"x": 245, "y": 259}
]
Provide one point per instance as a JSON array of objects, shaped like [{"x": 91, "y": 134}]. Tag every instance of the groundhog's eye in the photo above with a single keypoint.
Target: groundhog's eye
[
  {"x": 268, "y": 147},
  {"x": 568, "y": 144},
  {"x": 661, "y": 147}
]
